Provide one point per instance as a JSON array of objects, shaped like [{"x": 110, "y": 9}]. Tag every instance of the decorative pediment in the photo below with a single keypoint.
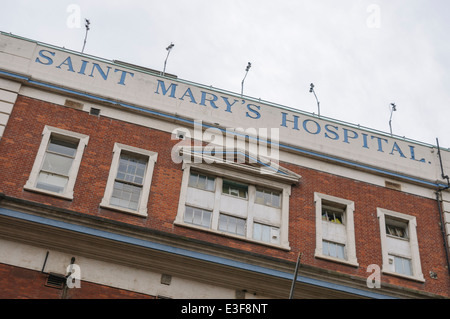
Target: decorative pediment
[{"x": 237, "y": 160}]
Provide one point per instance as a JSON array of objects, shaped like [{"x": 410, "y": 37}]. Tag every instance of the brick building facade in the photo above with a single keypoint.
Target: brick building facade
[{"x": 89, "y": 178}]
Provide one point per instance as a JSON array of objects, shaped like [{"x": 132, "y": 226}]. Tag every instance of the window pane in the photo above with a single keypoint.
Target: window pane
[
  {"x": 223, "y": 222},
  {"x": 332, "y": 215},
  {"x": 122, "y": 166},
  {"x": 225, "y": 189},
  {"x": 140, "y": 169},
  {"x": 333, "y": 249},
  {"x": 265, "y": 234},
  {"x": 340, "y": 251},
  {"x": 396, "y": 230},
  {"x": 125, "y": 195},
  {"x": 188, "y": 214},
  {"x": 232, "y": 224},
  {"x": 210, "y": 184},
  {"x": 201, "y": 181},
  {"x": 57, "y": 164},
  {"x": 259, "y": 197},
  {"x": 197, "y": 216},
  {"x": 276, "y": 200},
  {"x": 234, "y": 189},
  {"x": 206, "y": 218},
  {"x": 257, "y": 231},
  {"x": 407, "y": 267},
  {"x": 131, "y": 169},
  {"x": 402, "y": 265},
  {"x": 193, "y": 180},
  {"x": 240, "y": 227},
  {"x": 337, "y": 218},
  {"x": 51, "y": 182},
  {"x": 398, "y": 265},
  {"x": 62, "y": 147},
  {"x": 325, "y": 248},
  {"x": 267, "y": 197},
  {"x": 261, "y": 232}
]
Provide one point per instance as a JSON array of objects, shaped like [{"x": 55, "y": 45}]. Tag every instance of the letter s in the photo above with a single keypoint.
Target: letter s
[
  {"x": 258, "y": 115},
  {"x": 327, "y": 128},
  {"x": 49, "y": 60}
]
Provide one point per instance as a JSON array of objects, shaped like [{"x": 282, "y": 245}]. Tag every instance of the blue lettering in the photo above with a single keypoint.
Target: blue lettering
[
  {"x": 83, "y": 67},
  {"x": 189, "y": 93},
  {"x": 395, "y": 147},
  {"x": 102, "y": 73},
  {"x": 211, "y": 102},
  {"x": 67, "y": 62},
  {"x": 228, "y": 103},
  {"x": 380, "y": 146},
  {"x": 346, "y": 136},
  {"x": 258, "y": 115},
  {"x": 327, "y": 128},
  {"x": 413, "y": 157},
  {"x": 284, "y": 120},
  {"x": 123, "y": 76},
  {"x": 49, "y": 60},
  {"x": 172, "y": 88},
  {"x": 365, "y": 140},
  {"x": 318, "y": 128}
]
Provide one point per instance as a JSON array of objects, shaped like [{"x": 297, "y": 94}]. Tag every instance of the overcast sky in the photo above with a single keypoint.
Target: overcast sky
[{"x": 361, "y": 55}]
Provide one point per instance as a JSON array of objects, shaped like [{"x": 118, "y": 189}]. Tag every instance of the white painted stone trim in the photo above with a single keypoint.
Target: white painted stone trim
[
  {"x": 252, "y": 182},
  {"x": 46, "y": 134},
  {"x": 8, "y": 95},
  {"x": 413, "y": 242},
  {"x": 143, "y": 201},
  {"x": 350, "y": 245}
]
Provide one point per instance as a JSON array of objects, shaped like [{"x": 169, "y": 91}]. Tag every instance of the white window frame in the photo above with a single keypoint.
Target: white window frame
[
  {"x": 39, "y": 160},
  {"x": 228, "y": 216},
  {"x": 274, "y": 230},
  {"x": 272, "y": 192},
  {"x": 413, "y": 242},
  {"x": 146, "y": 184},
  {"x": 252, "y": 181},
  {"x": 350, "y": 245}
]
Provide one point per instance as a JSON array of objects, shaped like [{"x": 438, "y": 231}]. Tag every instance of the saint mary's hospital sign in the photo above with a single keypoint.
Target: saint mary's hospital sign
[{"x": 298, "y": 126}]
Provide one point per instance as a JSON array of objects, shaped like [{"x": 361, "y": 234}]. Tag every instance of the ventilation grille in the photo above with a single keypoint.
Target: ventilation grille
[
  {"x": 74, "y": 104},
  {"x": 392, "y": 185},
  {"x": 166, "y": 279},
  {"x": 94, "y": 111},
  {"x": 55, "y": 281}
]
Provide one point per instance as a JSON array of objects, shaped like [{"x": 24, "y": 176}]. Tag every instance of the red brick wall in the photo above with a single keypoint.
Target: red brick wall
[
  {"x": 22, "y": 137},
  {"x": 21, "y": 283},
  {"x": 367, "y": 233}
]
